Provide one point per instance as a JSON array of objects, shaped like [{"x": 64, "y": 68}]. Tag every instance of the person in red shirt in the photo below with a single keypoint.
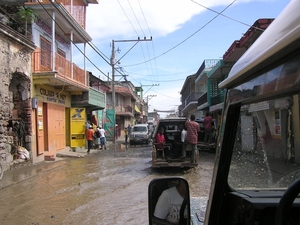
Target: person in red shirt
[
  {"x": 89, "y": 138},
  {"x": 160, "y": 141},
  {"x": 207, "y": 126},
  {"x": 192, "y": 128}
]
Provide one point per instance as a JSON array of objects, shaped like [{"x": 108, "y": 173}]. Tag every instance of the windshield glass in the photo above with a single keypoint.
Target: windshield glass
[
  {"x": 267, "y": 145},
  {"x": 140, "y": 129}
]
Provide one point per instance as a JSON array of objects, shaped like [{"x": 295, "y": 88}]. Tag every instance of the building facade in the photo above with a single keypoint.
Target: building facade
[
  {"x": 58, "y": 84},
  {"x": 15, "y": 91}
]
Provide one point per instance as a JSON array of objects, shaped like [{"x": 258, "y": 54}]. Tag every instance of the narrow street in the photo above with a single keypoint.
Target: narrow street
[{"x": 105, "y": 187}]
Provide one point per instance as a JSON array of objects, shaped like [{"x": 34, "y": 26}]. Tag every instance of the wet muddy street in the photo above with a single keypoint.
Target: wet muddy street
[{"x": 106, "y": 187}]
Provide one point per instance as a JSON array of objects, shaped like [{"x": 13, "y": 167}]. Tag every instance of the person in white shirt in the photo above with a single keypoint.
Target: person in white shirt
[
  {"x": 102, "y": 138},
  {"x": 183, "y": 141},
  {"x": 169, "y": 203}
]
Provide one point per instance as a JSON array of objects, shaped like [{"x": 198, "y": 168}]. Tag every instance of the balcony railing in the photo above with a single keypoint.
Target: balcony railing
[
  {"x": 217, "y": 99},
  {"x": 193, "y": 97},
  {"x": 203, "y": 99},
  {"x": 42, "y": 62},
  {"x": 76, "y": 8},
  {"x": 121, "y": 108}
]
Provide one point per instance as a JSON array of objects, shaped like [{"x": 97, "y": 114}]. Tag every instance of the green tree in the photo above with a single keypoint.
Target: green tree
[{"x": 27, "y": 15}]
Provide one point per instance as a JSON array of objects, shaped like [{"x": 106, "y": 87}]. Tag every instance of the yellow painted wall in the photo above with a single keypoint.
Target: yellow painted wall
[{"x": 77, "y": 122}]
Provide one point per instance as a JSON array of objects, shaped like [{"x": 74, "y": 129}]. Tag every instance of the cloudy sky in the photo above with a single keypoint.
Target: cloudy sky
[{"x": 184, "y": 34}]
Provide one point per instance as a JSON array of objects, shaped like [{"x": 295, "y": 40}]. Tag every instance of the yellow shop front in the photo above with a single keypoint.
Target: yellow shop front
[{"x": 51, "y": 123}]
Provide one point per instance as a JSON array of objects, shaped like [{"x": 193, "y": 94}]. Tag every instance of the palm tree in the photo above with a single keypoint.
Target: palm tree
[{"x": 28, "y": 15}]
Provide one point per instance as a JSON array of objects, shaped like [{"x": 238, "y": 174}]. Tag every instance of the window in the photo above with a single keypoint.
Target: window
[
  {"x": 45, "y": 53},
  {"x": 265, "y": 143},
  {"x": 60, "y": 58}
]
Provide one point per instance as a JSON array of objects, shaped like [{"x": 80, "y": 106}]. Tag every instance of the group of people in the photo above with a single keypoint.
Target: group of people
[
  {"x": 189, "y": 135},
  {"x": 95, "y": 138}
]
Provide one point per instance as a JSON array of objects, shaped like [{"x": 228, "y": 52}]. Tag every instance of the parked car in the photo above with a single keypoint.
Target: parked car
[
  {"x": 139, "y": 134},
  {"x": 173, "y": 156},
  {"x": 211, "y": 146}
]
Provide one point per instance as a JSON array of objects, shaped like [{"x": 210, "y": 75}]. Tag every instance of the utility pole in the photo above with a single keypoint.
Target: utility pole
[
  {"x": 113, "y": 62},
  {"x": 151, "y": 96}
]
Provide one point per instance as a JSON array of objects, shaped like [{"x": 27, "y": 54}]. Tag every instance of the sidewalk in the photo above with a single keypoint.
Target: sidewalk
[
  {"x": 80, "y": 152},
  {"x": 28, "y": 170}
]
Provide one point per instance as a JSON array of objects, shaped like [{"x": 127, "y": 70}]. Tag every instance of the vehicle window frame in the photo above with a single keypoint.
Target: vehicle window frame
[{"x": 222, "y": 163}]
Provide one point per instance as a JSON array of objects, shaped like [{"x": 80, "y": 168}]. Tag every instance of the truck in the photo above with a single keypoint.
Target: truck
[
  {"x": 256, "y": 176},
  {"x": 205, "y": 145},
  {"x": 173, "y": 157}
]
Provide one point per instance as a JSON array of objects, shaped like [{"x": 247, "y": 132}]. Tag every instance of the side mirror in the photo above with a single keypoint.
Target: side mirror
[{"x": 169, "y": 201}]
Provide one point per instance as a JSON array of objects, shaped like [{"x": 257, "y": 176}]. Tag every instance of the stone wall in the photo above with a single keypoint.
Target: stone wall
[{"x": 15, "y": 91}]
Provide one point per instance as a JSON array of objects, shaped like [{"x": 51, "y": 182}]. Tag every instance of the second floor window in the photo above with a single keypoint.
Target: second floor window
[
  {"x": 60, "y": 58},
  {"x": 45, "y": 53}
]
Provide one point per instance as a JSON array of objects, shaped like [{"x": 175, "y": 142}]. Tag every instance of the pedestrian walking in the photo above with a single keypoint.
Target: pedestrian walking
[
  {"x": 97, "y": 136},
  {"x": 192, "y": 128},
  {"x": 89, "y": 137},
  {"x": 129, "y": 129},
  {"x": 207, "y": 127},
  {"x": 126, "y": 135},
  {"x": 102, "y": 138}
]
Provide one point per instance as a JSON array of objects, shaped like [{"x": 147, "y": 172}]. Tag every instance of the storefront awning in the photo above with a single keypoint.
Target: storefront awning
[{"x": 137, "y": 109}]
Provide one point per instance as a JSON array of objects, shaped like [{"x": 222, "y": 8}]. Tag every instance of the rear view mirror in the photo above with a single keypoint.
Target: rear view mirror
[{"x": 169, "y": 201}]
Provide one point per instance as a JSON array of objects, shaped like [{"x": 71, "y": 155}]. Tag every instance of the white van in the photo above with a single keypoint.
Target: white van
[{"x": 139, "y": 134}]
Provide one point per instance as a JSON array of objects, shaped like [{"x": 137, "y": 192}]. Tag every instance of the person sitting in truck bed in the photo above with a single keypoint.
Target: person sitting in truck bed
[{"x": 160, "y": 142}]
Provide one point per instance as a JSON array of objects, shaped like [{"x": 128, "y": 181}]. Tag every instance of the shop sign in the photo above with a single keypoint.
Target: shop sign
[
  {"x": 216, "y": 107},
  {"x": 77, "y": 114},
  {"x": 52, "y": 96}
]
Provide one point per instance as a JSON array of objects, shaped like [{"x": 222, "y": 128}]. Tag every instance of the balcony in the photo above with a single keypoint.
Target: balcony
[
  {"x": 217, "y": 99},
  {"x": 65, "y": 73},
  {"x": 191, "y": 101},
  {"x": 193, "y": 97},
  {"x": 122, "y": 110},
  {"x": 203, "y": 99}
]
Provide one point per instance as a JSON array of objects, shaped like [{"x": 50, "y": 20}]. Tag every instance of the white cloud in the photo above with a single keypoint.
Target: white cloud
[{"x": 109, "y": 18}]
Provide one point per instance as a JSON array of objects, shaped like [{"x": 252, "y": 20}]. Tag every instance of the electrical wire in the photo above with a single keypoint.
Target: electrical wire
[
  {"x": 152, "y": 42},
  {"x": 190, "y": 36},
  {"x": 257, "y": 28},
  {"x": 143, "y": 35}
]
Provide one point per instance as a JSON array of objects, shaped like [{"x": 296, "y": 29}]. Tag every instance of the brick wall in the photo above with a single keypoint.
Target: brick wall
[{"x": 15, "y": 90}]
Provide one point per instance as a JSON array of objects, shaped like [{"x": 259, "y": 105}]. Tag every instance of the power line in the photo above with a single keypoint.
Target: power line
[
  {"x": 257, "y": 28},
  {"x": 190, "y": 36},
  {"x": 155, "y": 66},
  {"x": 136, "y": 32}
]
